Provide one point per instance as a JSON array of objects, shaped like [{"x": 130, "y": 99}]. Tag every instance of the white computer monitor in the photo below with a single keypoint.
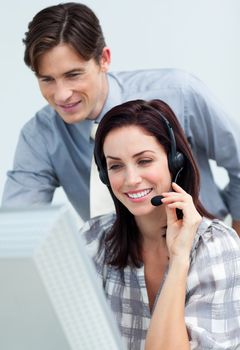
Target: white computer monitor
[{"x": 50, "y": 297}]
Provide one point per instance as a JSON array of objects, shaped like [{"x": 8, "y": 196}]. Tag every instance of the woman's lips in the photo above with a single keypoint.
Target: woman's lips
[{"x": 136, "y": 195}]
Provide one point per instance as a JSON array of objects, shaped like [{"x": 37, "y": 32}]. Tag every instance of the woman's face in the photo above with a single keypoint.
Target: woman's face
[{"x": 137, "y": 167}]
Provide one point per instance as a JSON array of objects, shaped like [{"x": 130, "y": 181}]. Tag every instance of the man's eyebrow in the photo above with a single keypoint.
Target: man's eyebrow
[
  {"x": 134, "y": 156},
  {"x": 75, "y": 70},
  {"x": 38, "y": 75}
]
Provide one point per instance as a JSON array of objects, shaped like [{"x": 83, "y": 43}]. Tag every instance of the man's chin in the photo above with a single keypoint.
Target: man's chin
[{"x": 72, "y": 119}]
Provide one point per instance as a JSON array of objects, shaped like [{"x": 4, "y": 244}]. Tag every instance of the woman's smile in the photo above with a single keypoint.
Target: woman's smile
[
  {"x": 137, "y": 171},
  {"x": 138, "y": 195}
]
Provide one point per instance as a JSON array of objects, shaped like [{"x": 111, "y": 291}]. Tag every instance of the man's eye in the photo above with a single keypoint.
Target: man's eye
[
  {"x": 73, "y": 75},
  {"x": 46, "y": 80}
]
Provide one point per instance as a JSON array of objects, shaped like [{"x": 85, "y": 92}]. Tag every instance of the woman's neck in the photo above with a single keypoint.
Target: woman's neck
[{"x": 152, "y": 227}]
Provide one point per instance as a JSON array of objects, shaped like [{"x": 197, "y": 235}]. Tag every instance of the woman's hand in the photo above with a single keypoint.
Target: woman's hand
[
  {"x": 167, "y": 327},
  {"x": 180, "y": 232}
]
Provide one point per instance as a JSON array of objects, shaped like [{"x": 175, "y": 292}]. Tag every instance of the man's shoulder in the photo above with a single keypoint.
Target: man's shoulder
[
  {"x": 45, "y": 116},
  {"x": 45, "y": 122},
  {"x": 166, "y": 76}
]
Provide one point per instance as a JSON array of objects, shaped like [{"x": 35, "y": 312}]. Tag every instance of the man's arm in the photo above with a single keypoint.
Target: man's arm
[
  {"x": 216, "y": 136},
  {"x": 32, "y": 180}
]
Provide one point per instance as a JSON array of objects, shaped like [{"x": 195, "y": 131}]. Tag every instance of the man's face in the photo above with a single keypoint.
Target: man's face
[{"x": 74, "y": 87}]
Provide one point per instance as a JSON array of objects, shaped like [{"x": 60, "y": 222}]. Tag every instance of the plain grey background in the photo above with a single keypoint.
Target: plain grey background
[{"x": 200, "y": 36}]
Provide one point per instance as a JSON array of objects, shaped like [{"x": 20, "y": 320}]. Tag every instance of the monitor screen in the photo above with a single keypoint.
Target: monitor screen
[{"x": 50, "y": 297}]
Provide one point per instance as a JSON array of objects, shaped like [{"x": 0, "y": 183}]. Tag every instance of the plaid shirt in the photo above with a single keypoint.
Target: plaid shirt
[{"x": 212, "y": 307}]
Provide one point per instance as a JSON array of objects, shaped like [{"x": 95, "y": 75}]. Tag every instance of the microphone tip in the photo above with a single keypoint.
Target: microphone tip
[{"x": 156, "y": 201}]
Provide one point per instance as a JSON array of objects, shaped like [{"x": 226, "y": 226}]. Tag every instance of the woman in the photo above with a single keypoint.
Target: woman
[{"x": 161, "y": 257}]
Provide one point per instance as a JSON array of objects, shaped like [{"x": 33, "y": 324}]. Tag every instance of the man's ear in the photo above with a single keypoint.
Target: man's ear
[{"x": 105, "y": 59}]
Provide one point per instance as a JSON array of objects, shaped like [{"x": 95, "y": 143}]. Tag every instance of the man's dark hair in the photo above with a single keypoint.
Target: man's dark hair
[{"x": 70, "y": 23}]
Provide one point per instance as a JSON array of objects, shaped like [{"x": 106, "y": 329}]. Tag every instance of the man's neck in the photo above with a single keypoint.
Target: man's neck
[{"x": 102, "y": 99}]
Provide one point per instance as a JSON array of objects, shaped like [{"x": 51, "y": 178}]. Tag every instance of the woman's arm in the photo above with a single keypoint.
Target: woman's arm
[{"x": 167, "y": 329}]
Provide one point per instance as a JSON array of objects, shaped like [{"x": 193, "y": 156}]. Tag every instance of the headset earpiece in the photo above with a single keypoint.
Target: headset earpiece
[
  {"x": 175, "y": 162},
  {"x": 176, "y": 159},
  {"x": 102, "y": 171}
]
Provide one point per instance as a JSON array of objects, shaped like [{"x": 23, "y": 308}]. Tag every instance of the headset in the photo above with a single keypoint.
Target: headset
[{"x": 176, "y": 159}]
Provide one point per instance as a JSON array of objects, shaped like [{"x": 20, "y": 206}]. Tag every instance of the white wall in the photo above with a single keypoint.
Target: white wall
[{"x": 201, "y": 36}]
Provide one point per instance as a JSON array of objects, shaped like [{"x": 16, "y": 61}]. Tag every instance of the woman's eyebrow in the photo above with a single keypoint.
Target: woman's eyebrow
[{"x": 135, "y": 155}]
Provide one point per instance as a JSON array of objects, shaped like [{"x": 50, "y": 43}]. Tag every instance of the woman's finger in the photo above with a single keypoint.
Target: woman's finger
[
  {"x": 171, "y": 216},
  {"x": 177, "y": 188}
]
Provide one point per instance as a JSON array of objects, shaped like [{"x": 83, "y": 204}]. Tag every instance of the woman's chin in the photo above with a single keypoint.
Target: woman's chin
[{"x": 142, "y": 211}]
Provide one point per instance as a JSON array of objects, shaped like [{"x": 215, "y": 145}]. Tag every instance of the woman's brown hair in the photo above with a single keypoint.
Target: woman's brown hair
[{"x": 124, "y": 241}]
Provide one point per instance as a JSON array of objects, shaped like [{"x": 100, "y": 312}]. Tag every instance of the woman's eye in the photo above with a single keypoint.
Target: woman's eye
[
  {"x": 144, "y": 161},
  {"x": 114, "y": 166}
]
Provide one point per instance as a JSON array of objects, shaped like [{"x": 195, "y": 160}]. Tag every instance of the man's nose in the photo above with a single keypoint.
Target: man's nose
[{"x": 62, "y": 93}]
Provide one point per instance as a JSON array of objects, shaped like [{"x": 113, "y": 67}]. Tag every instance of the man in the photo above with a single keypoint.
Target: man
[{"x": 65, "y": 48}]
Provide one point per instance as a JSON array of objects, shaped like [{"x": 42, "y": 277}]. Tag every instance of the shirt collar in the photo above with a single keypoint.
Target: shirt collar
[{"x": 114, "y": 96}]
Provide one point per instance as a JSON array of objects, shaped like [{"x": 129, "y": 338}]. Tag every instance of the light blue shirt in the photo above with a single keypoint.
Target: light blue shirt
[{"x": 51, "y": 153}]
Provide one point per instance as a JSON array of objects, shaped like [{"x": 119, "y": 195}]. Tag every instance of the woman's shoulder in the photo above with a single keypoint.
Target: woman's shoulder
[
  {"x": 215, "y": 240},
  {"x": 212, "y": 294},
  {"x": 96, "y": 227},
  {"x": 94, "y": 231},
  {"x": 217, "y": 231}
]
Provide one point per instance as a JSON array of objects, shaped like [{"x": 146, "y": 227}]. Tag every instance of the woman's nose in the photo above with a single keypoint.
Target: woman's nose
[{"x": 132, "y": 176}]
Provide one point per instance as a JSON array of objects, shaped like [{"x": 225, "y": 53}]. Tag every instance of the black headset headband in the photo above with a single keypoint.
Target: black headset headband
[{"x": 175, "y": 159}]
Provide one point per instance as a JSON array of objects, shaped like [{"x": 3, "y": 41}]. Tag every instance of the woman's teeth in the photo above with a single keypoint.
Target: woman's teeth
[{"x": 139, "y": 194}]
